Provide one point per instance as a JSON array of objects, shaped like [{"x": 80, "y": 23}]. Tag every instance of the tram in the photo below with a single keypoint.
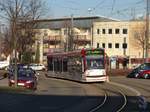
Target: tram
[{"x": 86, "y": 65}]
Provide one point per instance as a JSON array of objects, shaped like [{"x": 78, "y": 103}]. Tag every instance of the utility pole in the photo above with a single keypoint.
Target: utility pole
[
  {"x": 92, "y": 34},
  {"x": 72, "y": 32},
  {"x": 147, "y": 29},
  {"x": 15, "y": 50},
  {"x": 124, "y": 46},
  {"x": 133, "y": 13},
  {"x": 70, "y": 40}
]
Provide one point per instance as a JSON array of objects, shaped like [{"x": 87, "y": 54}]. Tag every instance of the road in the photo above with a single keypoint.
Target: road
[
  {"x": 55, "y": 95},
  {"x": 141, "y": 85}
]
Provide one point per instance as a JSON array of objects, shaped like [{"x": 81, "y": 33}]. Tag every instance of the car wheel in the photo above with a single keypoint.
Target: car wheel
[{"x": 145, "y": 76}]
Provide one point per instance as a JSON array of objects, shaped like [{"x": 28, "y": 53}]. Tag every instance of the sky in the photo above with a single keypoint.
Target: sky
[{"x": 117, "y": 9}]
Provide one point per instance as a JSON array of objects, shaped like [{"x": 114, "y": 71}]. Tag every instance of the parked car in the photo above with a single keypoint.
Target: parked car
[
  {"x": 4, "y": 64},
  {"x": 11, "y": 67},
  {"x": 26, "y": 77},
  {"x": 142, "y": 71},
  {"x": 37, "y": 67}
]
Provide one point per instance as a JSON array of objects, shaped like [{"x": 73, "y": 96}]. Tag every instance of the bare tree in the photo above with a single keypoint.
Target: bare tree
[
  {"x": 139, "y": 36},
  {"x": 7, "y": 43},
  {"x": 21, "y": 15},
  {"x": 18, "y": 13}
]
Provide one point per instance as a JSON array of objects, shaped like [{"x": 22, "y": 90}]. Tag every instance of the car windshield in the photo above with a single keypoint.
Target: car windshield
[
  {"x": 145, "y": 66},
  {"x": 94, "y": 63},
  {"x": 25, "y": 73}
]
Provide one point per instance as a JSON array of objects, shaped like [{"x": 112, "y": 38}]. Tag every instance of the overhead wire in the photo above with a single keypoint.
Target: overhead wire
[
  {"x": 113, "y": 5},
  {"x": 98, "y": 4},
  {"x": 126, "y": 11}
]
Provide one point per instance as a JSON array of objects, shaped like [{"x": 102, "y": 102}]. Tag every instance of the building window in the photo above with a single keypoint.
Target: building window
[
  {"x": 124, "y": 45},
  {"x": 125, "y": 31},
  {"x": 65, "y": 32},
  {"x": 103, "y": 45},
  {"x": 117, "y": 31},
  {"x": 104, "y": 31},
  {"x": 109, "y": 45},
  {"x": 45, "y": 46},
  {"x": 110, "y": 31},
  {"x": 97, "y": 45},
  {"x": 98, "y": 31},
  {"x": 117, "y": 45}
]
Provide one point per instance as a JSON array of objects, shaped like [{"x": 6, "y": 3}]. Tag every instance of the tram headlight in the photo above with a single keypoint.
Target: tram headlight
[{"x": 87, "y": 73}]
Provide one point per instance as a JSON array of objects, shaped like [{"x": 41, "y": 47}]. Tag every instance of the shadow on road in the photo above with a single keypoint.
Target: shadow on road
[{"x": 58, "y": 103}]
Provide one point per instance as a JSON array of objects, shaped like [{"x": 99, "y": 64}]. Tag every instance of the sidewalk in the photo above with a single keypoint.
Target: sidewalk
[
  {"x": 119, "y": 72},
  {"x": 3, "y": 82}
]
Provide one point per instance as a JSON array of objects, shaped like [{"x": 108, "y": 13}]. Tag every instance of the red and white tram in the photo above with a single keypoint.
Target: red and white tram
[{"x": 86, "y": 65}]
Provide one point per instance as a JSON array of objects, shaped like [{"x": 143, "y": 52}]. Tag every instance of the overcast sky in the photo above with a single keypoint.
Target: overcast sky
[{"x": 119, "y": 9}]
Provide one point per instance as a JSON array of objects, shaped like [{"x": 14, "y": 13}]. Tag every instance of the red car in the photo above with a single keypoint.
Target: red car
[
  {"x": 144, "y": 74},
  {"x": 26, "y": 78},
  {"x": 143, "y": 71}
]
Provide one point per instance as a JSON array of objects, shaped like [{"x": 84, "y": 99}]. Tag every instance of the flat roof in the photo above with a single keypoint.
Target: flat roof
[{"x": 79, "y": 22}]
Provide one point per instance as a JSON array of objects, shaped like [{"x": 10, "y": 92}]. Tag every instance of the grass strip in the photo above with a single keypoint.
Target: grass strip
[{"x": 15, "y": 90}]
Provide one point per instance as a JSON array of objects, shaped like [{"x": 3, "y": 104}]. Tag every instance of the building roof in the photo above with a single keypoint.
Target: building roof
[{"x": 79, "y": 22}]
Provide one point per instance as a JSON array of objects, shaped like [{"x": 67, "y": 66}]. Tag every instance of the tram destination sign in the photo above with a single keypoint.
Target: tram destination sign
[{"x": 95, "y": 52}]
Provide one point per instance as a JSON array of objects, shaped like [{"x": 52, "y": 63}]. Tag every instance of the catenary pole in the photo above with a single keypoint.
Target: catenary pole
[{"x": 147, "y": 30}]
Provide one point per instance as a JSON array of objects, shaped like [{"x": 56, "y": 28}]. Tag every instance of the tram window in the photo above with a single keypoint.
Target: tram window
[
  {"x": 65, "y": 69},
  {"x": 55, "y": 65},
  {"x": 78, "y": 64},
  {"x": 50, "y": 63},
  {"x": 74, "y": 64},
  {"x": 96, "y": 63},
  {"x": 59, "y": 63},
  {"x": 58, "y": 67}
]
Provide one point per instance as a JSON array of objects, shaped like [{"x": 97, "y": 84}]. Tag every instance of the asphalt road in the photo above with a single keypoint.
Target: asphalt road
[
  {"x": 52, "y": 95},
  {"x": 55, "y": 95},
  {"x": 142, "y": 86}
]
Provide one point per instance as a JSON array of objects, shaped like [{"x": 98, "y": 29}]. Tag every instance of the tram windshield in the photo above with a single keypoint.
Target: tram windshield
[{"x": 94, "y": 63}]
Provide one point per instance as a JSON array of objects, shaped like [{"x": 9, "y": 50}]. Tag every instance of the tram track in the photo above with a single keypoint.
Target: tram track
[
  {"x": 113, "y": 98},
  {"x": 104, "y": 102},
  {"x": 90, "y": 103},
  {"x": 86, "y": 98},
  {"x": 106, "y": 105},
  {"x": 95, "y": 109},
  {"x": 142, "y": 87},
  {"x": 86, "y": 101}
]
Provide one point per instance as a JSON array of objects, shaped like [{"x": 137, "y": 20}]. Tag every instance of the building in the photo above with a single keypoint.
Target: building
[
  {"x": 112, "y": 36},
  {"x": 55, "y": 35},
  {"x": 120, "y": 38}
]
